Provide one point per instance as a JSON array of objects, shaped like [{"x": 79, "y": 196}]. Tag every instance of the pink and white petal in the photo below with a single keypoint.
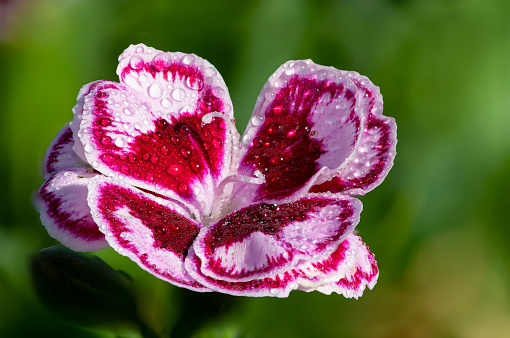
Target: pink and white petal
[
  {"x": 78, "y": 115},
  {"x": 152, "y": 231},
  {"x": 375, "y": 151},
  {"x": 62, "y": 203},
  {"x": 173, "y": 135},
  {"x": 305, "y": 118},
  {"x": 337, "y": 272},
  {"x": 60, "y": 154},
  {"x": 265, "y": 239},
  {"x": 362, "y": 273}
]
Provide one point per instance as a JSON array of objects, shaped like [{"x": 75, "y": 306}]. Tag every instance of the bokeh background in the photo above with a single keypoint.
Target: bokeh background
[{"x": 439, "y": 225}]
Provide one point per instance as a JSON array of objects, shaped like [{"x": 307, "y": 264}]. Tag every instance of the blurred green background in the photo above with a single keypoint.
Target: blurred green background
[{"x": 439, "y": 225}]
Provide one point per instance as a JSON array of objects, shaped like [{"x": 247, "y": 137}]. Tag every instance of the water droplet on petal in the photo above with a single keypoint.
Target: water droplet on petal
[
  {"x": 129, "y": 111},
  {"x": 183, "y": 188},
  {"x": 154, "y": 159},
  {"x": 108, "y": 158},
  {"x": 146, "y": 156},
  {"x": 215, "y": 143},
  {"x": 136, "y": 62},
  {"x": 155, "y": 91},
  {"x": 178, "y": 94},
  {"x": 120, "y": 141},
  {"x": 174, "y": 140},
  {"x": 186, "y": 153},
  {"x": 146, "y": 106},
  {"x": 166, "y": 103},
  {"x": 277, "y": 109},
  {"x": 124, "y": 169},
  {"x": 132, "y": 158},
  {"x": 164, "y": 150},
  {"x": 106, "y": 140},
  {"x": 188, "y": 59},
  {"x": 88, "y": 148},
  {"x": 174, "y": 169},
  {"x": 161, "y": 61},
  {"x": 149, "y": 177}
]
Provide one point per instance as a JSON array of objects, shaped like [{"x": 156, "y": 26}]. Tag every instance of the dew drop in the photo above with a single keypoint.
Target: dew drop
[
  {"x": 277, "y": 109},
  {"x": 146, "y": 106},
  {"x": 149, "y": 177},
  {"x": 174, "y": 228},
  {"x": 174, "y": 140},
  {"x": 106, "y": 140},
  {"x": 166, "y": 103},
  {"x": 155, "y": 91},
  {"x": 105, "y": 122},
  {"x": 183, "y": 188},
  {"x": 124, "y": 169},
  {"x": 274, "y": 292},
  {"x": 129, "y": 111},
  {"x": 120, "y": 141},
  {"x": 136, "y": 62},
  {"x": 154, "y": 159},
  {"x": 195, "y": 166},
  {"x": 178, "y": 94},
  {"x": 88, "y": 148},
  {"x": 215, "y": 143},
  {"x": 108, "y": 158},
  {"x": 161, "y": 61},
  {"x": 291, "y": 133},
  {"x": 164, "y": 150},
  {"x": 188, "y": 59},
  {"x": 218, "y": 92},
  {"x": 146, "y": 156},
  {"x": 174, "y": 169},
  {"x": 139, "y": 49},
  {"x": 132, "y": 158},
  {"x": 186, "y": 153}
]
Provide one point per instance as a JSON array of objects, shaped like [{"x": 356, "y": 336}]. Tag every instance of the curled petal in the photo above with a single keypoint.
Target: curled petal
[
  {"x": 62, "y": 202},
  {"x": 265, "y": 239},
  {"x": 152, "y": 231},
  {"x": 375, "y": 151},
  {"x": 166, "y": 128},
  {"x": 60, "y": 154},
  {"x": 337, "y": 272}
]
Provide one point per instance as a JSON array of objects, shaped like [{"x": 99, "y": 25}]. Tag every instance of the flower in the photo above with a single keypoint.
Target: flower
[{"x": 154, "y": 167}]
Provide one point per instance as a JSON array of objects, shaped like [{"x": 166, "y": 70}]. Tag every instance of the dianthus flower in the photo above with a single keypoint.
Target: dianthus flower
[{"x": 154, "y": 167}]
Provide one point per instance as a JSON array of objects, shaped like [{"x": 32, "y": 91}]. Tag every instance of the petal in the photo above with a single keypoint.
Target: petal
[
  {"x": 154, "y": 130},
  {"x": 362, "y": 274},
  {"x": 264, "y": 239},
  {"x": 305, "y": 118},
  {"x": 373, "y": 157},
  {"x": 60, "y": 154},
  {"x": 310, "y": 118},
  {"x": 152, "y": 231},
  {"x": 62, "y": 202},
  {"x": 337, "y": 272}
]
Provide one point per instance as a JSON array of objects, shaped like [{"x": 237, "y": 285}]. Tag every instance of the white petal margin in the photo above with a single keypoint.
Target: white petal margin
[
  {"x": 62, "y": 203},
  {"x": 264, "y": 239},
  {"x": 152, "y": 231},
  {"x": 60, "y": 154},
  {"x": 337, "y": 272},
  {"x": 362, "y": 274}
]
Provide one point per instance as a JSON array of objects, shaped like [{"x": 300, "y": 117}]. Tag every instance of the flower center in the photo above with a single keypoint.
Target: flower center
[{"x": 221, "y": 206}]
